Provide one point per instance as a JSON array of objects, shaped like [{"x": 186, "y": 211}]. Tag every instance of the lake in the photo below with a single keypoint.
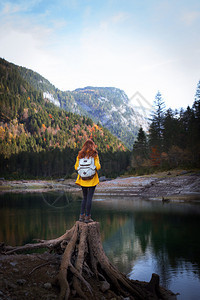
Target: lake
[{"x": 140, "y": 237}]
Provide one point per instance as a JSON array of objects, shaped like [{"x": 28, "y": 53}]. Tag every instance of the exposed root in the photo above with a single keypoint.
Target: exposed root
[
  {"x": 66, "y": 261},
  {"x": 48, "y": 244},
  {"x": 119, "y": 280},
  {"x": 36, "y": 268},
  {"x": 82, "y": 249},
  {"x": 79, "y": 276},
  {"x": 84, "y": 262}
]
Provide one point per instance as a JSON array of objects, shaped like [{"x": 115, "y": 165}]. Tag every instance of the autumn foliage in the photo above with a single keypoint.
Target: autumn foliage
[
  {"x": 155, "y": 156},
  {"x": 173, "y": 138},
  {"x": 39, "y": 139}
]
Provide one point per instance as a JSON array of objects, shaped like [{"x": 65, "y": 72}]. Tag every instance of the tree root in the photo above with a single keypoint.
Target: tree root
[
  {"x": 40, "y": 266},
  {"x": 84, "y": 261},
  {"x": 42, "y": 244}
]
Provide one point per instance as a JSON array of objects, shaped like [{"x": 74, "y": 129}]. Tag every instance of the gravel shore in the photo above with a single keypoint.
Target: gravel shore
[
  {"x": 179, "y": 185},
  {"x": 173, "y": 185}
]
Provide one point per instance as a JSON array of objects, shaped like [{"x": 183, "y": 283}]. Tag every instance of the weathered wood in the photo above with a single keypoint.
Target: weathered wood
[
  {"x": 83, "y": 259},
  {"x": 42, "y": 244}
]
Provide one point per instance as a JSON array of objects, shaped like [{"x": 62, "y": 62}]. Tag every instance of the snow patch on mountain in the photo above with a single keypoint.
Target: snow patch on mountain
[
  {"x": 103, "y": 99},
  {"x": 109, "y": 106},
  {"x": 114, "y": 108},
  {"x": 122, "y": 109},
  {"x": 51, "y": 98}
]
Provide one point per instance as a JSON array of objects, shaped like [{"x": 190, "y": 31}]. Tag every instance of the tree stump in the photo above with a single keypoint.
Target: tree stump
[{"x": 85, "y": 271}]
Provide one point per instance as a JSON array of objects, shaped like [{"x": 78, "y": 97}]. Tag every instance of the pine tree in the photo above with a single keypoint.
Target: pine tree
[
  {"x": 140, "y": 145},
  {"x": 196, "y": 105},
  {"x": 156, "y": 127},
  {"x": 171, "y": 130},
  {"x": 196, "y": 125},
  {"x": 140, "y": 149}
]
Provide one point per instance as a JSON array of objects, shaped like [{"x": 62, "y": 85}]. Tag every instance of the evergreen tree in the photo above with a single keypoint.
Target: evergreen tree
[
  {"x": 196, "y": 107},
  {"x": 140, "y": 145},
  {"x": 196, "y": 124},
  {"x": 156, "y": 127},
  {"x": 171, "y": 130},
  {"x": 140, "y": 149}
]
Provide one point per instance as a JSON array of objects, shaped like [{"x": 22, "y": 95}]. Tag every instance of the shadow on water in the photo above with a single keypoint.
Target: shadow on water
[{"x": 139, "y": 237}]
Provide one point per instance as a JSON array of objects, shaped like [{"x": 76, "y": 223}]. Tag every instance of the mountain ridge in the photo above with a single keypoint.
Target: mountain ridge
[
  {"x": 108, "y": 106},
  {"x": 37, "y": 138},
  {"x": 24, "y": 107}
]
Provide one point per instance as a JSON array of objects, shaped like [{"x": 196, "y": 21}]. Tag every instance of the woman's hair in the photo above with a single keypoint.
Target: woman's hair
[{"x": 88, "y": 149}]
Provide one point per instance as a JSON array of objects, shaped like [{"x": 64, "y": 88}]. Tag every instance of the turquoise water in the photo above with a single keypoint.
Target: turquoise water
[{"x": 139, "y": 237}]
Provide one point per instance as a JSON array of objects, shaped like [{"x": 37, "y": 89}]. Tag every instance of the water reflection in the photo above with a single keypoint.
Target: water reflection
[
  {"x": 139, "y": 237},
  {"x": 24, "y": 217},
  {"x": 158, "y": 238}
]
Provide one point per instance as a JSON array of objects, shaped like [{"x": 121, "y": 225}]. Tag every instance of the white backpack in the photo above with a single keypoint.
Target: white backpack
[{"x": 86, "y": 168}]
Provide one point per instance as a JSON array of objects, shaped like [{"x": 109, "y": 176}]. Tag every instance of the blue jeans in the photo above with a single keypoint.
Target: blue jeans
[{"x": 88, "y": 193}]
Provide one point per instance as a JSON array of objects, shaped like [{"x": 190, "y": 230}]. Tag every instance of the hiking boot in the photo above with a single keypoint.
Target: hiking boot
[
  {"x": 82, "y": 217},
  {"x": 88, "y": 219}
]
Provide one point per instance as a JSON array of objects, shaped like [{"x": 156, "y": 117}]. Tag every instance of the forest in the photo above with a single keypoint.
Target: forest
[
  {"x": 108, "y": 106},
  {"x": 173, "y": 140},
  {"x": 39, "y": 139}
]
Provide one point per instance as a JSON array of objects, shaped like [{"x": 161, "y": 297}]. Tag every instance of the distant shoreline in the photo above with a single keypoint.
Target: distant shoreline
[{"x": 176, "y": 186}]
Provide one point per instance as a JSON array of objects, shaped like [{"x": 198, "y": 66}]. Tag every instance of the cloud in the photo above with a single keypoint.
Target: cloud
[
  {"x": 28, "y": 50},
  {"x": 120, "y": 17},
  {"x": 190, "y": 17},
  {"x": 102, "y": 50},
  {"x": 22, "y": 27},
  {"x": 11, "y": 7}
]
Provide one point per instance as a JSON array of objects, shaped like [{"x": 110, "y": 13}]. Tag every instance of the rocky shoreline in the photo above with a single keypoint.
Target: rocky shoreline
[
  {"x": 37, "y": 186},
  {"x": 174, "y": 185}
]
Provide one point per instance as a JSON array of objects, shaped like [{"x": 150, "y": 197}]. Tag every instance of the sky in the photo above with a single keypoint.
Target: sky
[{"x": 139, "y": 46}]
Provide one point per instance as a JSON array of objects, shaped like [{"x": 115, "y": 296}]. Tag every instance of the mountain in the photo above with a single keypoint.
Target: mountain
[
  {"x": 27, "y": 111},
  {"x": 110, "y": 107},
  {"x": 39, "y": 137},
  {"x": 107, "y": 106},
  {"x": 40, "y": 84}
]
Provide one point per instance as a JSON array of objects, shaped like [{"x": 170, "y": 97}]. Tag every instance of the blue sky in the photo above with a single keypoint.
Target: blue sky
[{"x": 134, "y": 45}]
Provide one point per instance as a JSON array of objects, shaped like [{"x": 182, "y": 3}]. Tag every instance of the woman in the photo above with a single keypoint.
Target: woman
[{"x": 88, "y": 185}]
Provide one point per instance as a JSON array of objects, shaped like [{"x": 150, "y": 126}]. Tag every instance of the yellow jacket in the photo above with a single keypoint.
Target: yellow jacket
[{"x": 90, "y": 182}]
